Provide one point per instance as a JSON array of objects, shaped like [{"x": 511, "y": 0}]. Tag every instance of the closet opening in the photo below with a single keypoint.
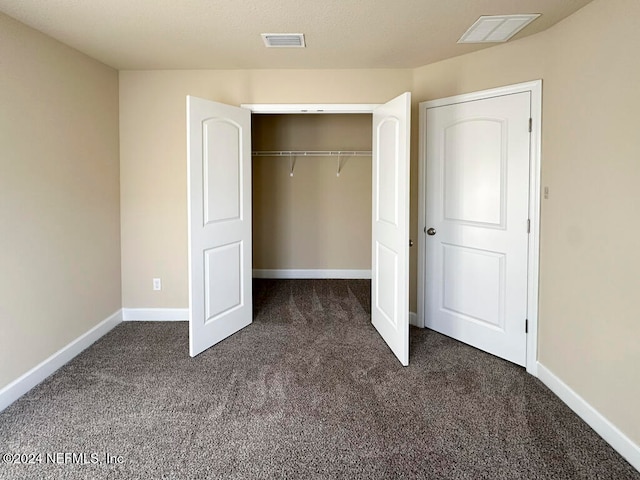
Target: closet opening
[
  {"x": 359, "y": 226},
  {"x": 311, "y": 195}
]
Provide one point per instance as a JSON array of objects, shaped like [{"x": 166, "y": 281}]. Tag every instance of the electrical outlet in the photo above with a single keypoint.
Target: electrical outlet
[{"x": 157, "y": 284}]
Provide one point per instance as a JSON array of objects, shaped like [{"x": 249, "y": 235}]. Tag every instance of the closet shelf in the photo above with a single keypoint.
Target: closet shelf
[{"x": 312, "y": 153}]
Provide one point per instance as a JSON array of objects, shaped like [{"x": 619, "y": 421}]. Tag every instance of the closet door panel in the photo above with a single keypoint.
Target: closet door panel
[
  {"x": 219, "y": 197},
  {"x": 390, "y": 247}
]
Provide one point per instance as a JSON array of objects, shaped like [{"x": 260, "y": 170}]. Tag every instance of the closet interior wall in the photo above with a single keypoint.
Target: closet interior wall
[{"x": 313, "y": 219}]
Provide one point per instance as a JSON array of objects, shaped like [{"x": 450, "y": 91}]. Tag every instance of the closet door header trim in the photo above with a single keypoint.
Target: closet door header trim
[{"x": 311, "y": 108}]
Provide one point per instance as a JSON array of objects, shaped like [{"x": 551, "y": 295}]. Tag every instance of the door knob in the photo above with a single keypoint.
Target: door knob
[
  {"x": 410, "y": 243},
  {"x": 431, "y": 231}
]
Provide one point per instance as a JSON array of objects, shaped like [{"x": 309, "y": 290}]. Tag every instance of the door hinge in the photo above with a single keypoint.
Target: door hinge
[
  {"x": 526, "y": 325},
  {"x": 530, "y": 125},
  {"x": 528, "y": 225}
]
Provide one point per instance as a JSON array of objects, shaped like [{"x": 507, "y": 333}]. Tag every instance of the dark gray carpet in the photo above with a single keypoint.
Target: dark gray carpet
[{"x": 309, "y": 390}]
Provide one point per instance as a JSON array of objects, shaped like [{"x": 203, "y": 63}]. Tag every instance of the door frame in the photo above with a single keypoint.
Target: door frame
[
  {"x": 533, "y": 256},
  {"x": 314, "y": 109},
  {"x": 310, "y": 108}
]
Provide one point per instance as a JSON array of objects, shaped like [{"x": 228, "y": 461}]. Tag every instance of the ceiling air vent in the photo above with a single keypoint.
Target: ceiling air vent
[
  {"x": 283, "y": 40},
  {"x": 496, "y": 28}
]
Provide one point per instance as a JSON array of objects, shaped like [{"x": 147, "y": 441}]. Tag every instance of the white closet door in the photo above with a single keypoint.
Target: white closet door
[
  {"x": 219, "y": 194},
  {"x": 390, "y": 249}
]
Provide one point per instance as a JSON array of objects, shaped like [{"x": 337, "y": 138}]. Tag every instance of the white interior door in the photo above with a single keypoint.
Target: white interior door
[
  {"x": 477, "y": 194},
  {"x": 390, "y": 248},
  {"x": 219, "y": 194}
]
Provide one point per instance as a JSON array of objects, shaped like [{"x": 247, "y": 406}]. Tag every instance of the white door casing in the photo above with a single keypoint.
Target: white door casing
[
  {"x": 219, "y": 215},
  {"x": 477, "y": 197},
  {"x": 390, "y": 237}
]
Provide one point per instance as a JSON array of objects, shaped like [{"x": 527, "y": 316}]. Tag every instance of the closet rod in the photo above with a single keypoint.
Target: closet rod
[{"x": 312, "y": 153}]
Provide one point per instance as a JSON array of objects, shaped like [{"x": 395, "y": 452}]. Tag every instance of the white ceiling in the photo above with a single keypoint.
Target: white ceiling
[{"x": 225, "y": 34}]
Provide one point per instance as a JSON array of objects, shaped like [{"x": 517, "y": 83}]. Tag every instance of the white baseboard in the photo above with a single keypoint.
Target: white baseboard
[
  {"x": 603, "y": 427},
  {"x": 37, "y": 374},
  {"x": 155, "y": 314},
  {"x": 323, "y": 274},
  {"x": 413, "y": 319}
]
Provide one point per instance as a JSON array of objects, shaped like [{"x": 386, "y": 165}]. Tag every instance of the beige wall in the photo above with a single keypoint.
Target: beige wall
[
  {"x": 589, "y": 63},
  {"x": 589, "y": 261},
  {"x": 590, "y": 328},
  {"x": 59, "y": 196},
  {"x": 153, "y": 156},
  {"x": 315, "y": 219}
]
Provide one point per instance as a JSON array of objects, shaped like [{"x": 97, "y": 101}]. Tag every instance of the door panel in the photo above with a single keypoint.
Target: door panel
[
  {"x": 219, "y": 193},
  {"x": 477, "y": 201},
  {"x": 474, "y": 165},
  {"x": 222, "y": 280},
  {"x": 387, "y": 144},
  {"x": 222, "y": 165},
  {"x": 473, "y": 284},
  {"x": 390, "y": 262}
]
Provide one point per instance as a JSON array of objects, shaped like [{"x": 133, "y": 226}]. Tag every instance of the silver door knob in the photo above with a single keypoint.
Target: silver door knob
[
  {"x": 410, "y": 243},
  {"x": 431, "y": 231}
]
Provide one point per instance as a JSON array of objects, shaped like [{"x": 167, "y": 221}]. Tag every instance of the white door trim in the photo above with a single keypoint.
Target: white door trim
[
  {"x": 311, "y": 108},
  {"x": 533, "y": 260}
]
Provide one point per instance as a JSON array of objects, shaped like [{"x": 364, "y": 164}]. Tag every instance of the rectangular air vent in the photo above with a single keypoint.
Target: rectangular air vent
[
  {"x": 283, "y": 40},
  {"x": 496, "y": 28}
]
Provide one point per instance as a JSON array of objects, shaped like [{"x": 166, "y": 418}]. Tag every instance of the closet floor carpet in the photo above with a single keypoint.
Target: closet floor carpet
[{"x": 309, "y": 390}]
